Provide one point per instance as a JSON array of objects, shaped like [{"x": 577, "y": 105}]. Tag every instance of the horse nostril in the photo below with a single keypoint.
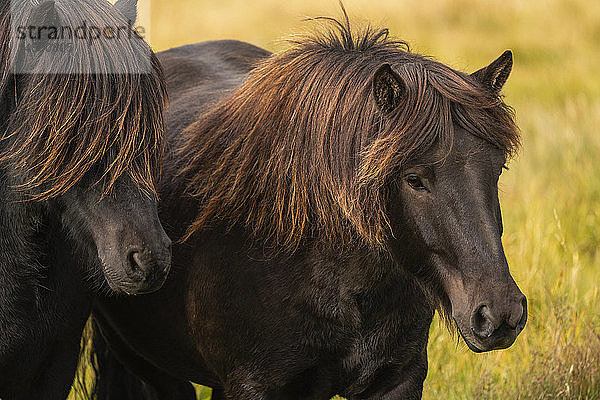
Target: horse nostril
[
  {"x": 517, "y": 311},
  {"x": 146, "y": 269},
  {"x": 523, "y": 319},
  {"x": 134, "y": 260},
  {"x": 481, "y": 322}
]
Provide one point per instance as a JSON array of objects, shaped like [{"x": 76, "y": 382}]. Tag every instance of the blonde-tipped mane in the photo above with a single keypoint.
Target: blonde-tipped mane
[{"x": 300, "y": 150}]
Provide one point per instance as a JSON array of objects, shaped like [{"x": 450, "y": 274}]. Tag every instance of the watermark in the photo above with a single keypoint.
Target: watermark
[
  {"x": 82, "y": 37},
  {"x": 82, "y": 32}
]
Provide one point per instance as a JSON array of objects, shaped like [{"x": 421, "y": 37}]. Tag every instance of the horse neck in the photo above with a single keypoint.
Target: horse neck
[
  {"x": 366, "y": 270},
  {"x": 361, "y": 283},
  {"x": 175, "y": 207}
]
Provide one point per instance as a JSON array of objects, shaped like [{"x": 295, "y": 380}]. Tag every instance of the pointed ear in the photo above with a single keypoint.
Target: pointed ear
[
  {"x": 388, "y": 89},
  {"x": 128, "y": 8},
  {"x": 494, "y": 76}
]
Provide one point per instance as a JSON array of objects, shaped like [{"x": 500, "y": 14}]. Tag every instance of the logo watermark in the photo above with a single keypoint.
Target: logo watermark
[{"x": 80, "y": 36}]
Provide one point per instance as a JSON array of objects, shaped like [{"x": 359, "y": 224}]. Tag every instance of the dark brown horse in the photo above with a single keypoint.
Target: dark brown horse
[
  {"x": 81, "y": 142},
  {"x": 330, "y": 198}
]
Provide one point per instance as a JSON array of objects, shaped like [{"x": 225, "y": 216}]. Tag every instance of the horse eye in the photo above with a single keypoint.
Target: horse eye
[{"x": 415, "y": 182}]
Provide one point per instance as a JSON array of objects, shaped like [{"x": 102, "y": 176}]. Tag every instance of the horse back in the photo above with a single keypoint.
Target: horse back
[{"x": 199, "y": 74}]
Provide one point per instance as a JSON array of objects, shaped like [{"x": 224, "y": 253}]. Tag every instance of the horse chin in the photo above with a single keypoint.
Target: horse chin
[
  {"x": 121, "y": 283},
  {"x": 113, "y": 279},
  {"x": 470, "y": 343},
  {"x": 493, "y": 343}
]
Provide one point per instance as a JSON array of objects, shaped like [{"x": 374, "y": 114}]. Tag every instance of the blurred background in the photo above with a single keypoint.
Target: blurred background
[{"x": 550, "y": 195}]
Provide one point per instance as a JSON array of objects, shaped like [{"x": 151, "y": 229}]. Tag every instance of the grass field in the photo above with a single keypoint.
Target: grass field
[{"x": 550, "y": 195}]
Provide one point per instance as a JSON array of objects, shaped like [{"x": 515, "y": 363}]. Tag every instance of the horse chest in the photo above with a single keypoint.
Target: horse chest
[
  {"x": 316, "y": 328},
  {"x": 372, "y": 344}
]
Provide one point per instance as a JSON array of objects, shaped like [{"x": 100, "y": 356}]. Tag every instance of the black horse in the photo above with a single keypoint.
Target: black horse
[
  {"x": 330, "y": 199},
  {"x": 80, "y": 150}
]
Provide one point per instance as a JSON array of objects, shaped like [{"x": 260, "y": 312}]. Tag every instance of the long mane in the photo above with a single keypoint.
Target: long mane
[
  {"x": 69, "y": 125},
  {"x": 300, "y": 150}
]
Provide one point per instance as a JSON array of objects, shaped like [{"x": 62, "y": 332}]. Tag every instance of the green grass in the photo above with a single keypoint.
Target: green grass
[{"x": 550, "y": 195}]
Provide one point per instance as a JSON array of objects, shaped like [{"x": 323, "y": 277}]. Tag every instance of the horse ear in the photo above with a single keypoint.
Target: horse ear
[
  {"x": 388, "y": 89},
  {"x": 494, "y": 76},
  {"x": 128, "y": 8}
]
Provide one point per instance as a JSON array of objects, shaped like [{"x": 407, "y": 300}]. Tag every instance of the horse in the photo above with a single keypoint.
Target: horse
[
  {"x": 328, "y": 199},
  {"x": 81, "y": 143}
]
